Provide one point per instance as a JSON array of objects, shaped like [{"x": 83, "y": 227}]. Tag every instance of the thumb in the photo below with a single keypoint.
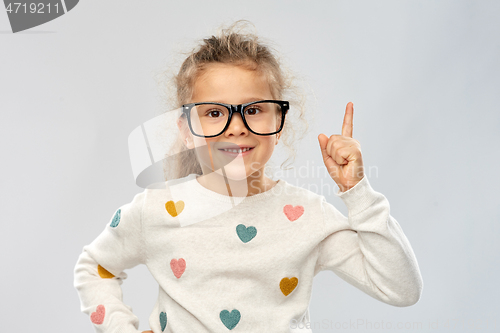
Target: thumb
[{"x": 323, "y": 141}]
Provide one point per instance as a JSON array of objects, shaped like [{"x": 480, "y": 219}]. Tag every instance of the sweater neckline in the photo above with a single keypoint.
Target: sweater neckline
[{"x": 276, "y": 189}]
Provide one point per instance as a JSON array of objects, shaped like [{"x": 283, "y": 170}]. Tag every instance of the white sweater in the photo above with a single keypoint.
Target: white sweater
[{"x": 242, "y": 264}]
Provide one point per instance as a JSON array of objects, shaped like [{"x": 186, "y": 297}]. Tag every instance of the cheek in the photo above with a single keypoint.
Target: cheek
[
  {"x": 199, "y": 142},
  {"x": 268, "y": 145}
]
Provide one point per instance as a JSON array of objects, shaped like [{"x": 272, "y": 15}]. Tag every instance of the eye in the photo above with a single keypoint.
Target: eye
[
  {"x": 252, "y": 111},
  {"x": 214, "y": 113}
]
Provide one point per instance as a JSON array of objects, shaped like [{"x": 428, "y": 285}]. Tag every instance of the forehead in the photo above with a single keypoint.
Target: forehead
[{"x": 230, "y": 84}]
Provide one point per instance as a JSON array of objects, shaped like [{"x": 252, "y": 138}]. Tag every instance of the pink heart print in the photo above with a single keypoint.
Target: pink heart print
[
  {"x": 178, "y": 267},
  {"x": 97, "y": 317},
  {"x": 293, "y": 213}
]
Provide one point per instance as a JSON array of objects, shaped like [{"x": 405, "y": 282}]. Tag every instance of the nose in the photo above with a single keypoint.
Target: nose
[{"x": 236, "y": 126}]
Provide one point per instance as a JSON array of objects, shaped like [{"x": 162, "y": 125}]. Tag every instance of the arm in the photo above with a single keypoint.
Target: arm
[
  {"x": 369, "y": 249},
  {"x": 98, "y": 273}
]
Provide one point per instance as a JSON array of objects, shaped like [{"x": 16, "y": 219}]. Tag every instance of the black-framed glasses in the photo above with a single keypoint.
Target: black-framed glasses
[{"x": 210, "y": 119}]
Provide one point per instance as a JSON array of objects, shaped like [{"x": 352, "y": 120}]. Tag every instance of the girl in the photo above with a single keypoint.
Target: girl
[{"x": 232, "y": 249}]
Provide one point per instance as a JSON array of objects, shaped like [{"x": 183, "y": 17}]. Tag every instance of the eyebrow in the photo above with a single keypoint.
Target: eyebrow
[{"x": 248, "y": 100}]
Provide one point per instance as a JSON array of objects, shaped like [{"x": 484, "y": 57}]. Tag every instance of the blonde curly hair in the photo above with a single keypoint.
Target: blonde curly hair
[{"x": 236, "y": 46}]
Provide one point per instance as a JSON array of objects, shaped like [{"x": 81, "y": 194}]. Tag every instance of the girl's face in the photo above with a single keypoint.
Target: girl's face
[{"x": 232, "y": 85}]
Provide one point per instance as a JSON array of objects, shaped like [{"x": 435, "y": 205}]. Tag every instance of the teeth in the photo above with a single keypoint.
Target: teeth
[{"x": 237, "y": 150}]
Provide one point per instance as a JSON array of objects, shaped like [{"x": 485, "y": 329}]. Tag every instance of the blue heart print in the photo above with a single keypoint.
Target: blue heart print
[
  {"x": 246, "y": 234},
  {"x": 163, "y": 320},
  {"x": 116, "y": 219},
  {"x": 230, "y": 320}
]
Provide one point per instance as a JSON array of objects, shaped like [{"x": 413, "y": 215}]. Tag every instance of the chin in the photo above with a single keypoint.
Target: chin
[{"x": 235, "y": 170}]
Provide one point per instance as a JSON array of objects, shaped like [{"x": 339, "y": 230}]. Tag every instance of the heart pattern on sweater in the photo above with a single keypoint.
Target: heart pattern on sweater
[
  {"x": 288, "y": 285},
  {"x": 178, "y": 266},
  {"x": 246, "y": 234},
  {"x": 230, "y": 320},
  {"x": 103, "y": 272},
  {"x": 116, "y": 219},
  {"x": 97, "y": 317},
  {"x": 293, "y": 213},
  {"x": 163, "y": 320},
  {"x": 174, "y": 209}
]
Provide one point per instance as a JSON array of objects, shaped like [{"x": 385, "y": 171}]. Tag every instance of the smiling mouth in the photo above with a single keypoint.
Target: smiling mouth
[{"x": 237, "y": 151}]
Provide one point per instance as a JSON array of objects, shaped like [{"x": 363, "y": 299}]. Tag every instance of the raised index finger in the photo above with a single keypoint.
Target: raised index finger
[{"x": 347, "y": 125}]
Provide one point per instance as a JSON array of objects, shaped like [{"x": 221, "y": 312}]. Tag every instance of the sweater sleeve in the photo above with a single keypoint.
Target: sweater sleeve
[
  {"x": 368, "y": 249},
  {"x": 98, "y": 273}
]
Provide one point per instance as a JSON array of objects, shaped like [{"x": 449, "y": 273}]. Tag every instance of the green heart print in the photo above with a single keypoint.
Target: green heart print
[
  {"x": 246, "y": 234},
  {"x": 230, "y": 320}
]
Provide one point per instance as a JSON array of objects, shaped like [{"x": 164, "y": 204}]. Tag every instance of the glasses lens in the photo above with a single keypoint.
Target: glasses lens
[
  {"x": 263, "y": 118},
  {"x": 208, "y": 119}
]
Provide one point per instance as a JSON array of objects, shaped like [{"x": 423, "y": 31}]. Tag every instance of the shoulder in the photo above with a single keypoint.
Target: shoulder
[
  {"x": 162, "y": 189},
  {"x": 298, "y": 203},
  {"x": 286, "y": 189}
]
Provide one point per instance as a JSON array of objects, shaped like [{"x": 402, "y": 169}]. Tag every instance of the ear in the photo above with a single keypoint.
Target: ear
[{"x": 184, "y": 132}]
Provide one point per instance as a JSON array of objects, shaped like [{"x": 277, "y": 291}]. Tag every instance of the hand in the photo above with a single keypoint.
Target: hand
[
  {"x": 342, "y": 154},
  {"x": 147, "y": 331}
]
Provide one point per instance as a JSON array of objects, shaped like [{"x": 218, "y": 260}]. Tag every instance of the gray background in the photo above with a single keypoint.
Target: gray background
[{"x": 424, "y": 80}]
